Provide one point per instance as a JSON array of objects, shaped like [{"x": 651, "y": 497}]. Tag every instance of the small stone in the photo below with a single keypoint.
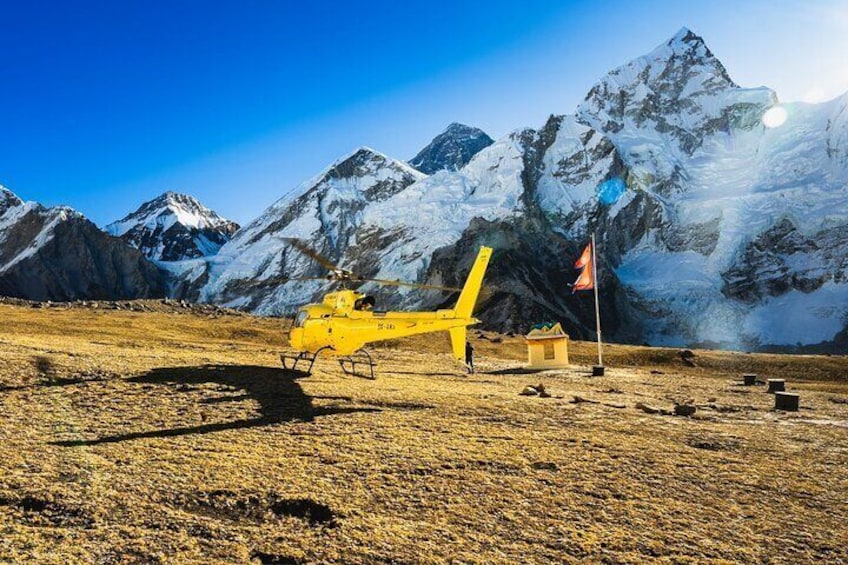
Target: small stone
[
  {"x": 529, "y": 391},
  {"x": 686, "y": 410},
  {"x": 580, "y": 399},
  {"x": 545, "y": 466},
  {"x": 647, "y": 409}
]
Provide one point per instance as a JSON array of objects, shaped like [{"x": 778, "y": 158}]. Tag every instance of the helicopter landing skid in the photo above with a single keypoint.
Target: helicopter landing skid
[
  {"x": 304, "y": 356},
  {"x": 361, "y": 357}
]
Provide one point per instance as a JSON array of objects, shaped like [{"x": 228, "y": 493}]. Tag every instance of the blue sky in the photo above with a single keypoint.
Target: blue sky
[{"x": 107, "y": 104}]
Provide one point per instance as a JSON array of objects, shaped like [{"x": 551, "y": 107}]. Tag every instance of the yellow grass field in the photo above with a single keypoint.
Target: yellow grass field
[{"x": 177, "y": 437}]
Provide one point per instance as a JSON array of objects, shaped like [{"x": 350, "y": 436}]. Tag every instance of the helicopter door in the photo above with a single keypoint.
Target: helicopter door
[{"x": 315, "y": 326}]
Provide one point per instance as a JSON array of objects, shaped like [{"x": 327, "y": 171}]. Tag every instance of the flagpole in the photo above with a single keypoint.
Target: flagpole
[{"x": 597, "y": 308}]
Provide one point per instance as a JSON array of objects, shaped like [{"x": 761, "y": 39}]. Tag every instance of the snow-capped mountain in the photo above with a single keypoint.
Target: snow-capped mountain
[
  {"x": 57, "y": 254},
  {"x": 173, "y": 227},
  {"x": 325, "y": 211},
  {"x": 452, "y": 149},
  {"x": 712, "y": 228},
  {"x": 727, "y": 258}
]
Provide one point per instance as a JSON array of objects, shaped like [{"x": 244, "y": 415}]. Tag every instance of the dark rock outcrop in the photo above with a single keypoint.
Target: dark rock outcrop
[
  {"x": 57, "y": 254},
  {"x": 452, "y": 149},
  {"x": 8, "y": 200}
]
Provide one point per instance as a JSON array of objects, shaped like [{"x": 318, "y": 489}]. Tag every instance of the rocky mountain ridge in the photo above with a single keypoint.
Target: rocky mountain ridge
[{"x": 57, "y": 254}]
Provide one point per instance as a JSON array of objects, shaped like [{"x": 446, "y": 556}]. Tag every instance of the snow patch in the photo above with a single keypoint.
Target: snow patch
[{"x": 800, "y": 318}]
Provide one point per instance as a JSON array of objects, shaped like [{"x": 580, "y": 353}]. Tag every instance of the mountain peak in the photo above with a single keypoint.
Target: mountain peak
[
  {"x": 458, "y": 128},
  {"x": 685, "y": 35},
  {"x": 174, "y": 226},
  {"x": 8, "y": 199},
  {"x": 364, "y": 161},
  {"x": 680, "y": 67},
  {"x": 688, "y": 50},
  {"x": 693, "y": 48},
  {"x": 675, "y": 88},
  {"x": 171, "y": 195},
  {"x": 452, "y": 149},
  {"x": 173, "y": 199},
  {"x": 362, "y": 154}
]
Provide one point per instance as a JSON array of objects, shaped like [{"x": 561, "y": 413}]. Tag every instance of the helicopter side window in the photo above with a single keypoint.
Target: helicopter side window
[
  {"x": 366, "y": 304},
  {"x": 301, "y": 318}
]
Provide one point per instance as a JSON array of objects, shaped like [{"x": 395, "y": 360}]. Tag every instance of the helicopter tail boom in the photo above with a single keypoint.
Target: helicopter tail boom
[
  {"x": 464, "y": 308},
  {"x": 468, "y": 297}
]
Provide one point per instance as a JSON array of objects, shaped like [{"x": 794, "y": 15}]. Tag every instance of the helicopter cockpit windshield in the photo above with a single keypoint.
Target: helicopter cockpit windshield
[
  {"x": 366, "y": 303},
  {"x": 300, "y": 320}
]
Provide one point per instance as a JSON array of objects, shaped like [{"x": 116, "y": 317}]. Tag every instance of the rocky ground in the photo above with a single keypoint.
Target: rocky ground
[
  {"x": 153, "y": 432},
  {"x": 161, "y": 305}
]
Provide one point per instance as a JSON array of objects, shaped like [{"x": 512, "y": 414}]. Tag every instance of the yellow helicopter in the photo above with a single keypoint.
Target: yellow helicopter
[{"x": 344, "y": 322}]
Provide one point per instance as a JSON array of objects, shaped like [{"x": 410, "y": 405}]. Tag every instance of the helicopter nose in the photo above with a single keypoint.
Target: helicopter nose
[{"x": 296, "y": 338}]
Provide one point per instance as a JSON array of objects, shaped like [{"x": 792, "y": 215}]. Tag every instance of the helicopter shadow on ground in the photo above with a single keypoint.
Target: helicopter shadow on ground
[
  {"x": 425, "y": 373},
  {"x": 512, "y": 371},
  {"x": 47, "y": 376},
  {"x": 280, "y": 397}
]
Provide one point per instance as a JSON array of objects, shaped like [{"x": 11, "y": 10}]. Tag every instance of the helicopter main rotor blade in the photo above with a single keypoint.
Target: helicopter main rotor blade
[
  {"x": 282, "y": 280},
  {"x": 412, "y": 285},
  {"x": 309, "y": 252},
  {"x": 344, "y": 274}
]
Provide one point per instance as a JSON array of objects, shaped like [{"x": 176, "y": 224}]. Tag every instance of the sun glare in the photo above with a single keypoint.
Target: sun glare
[{"x": 775, "y": 116}]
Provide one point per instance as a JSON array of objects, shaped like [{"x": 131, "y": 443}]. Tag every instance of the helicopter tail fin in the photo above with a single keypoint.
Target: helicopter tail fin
[
  {"x": 457, "y": 336},
  {"x": 468, "y": 297}
]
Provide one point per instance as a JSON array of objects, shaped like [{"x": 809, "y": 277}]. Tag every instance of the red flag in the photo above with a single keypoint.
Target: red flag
[
  {"x": 586, "y": 280},
  {"x": 585, "y": 257}
]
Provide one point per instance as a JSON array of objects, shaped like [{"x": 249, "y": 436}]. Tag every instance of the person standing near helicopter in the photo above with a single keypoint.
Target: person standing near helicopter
[{"x": 469, "y": 356}]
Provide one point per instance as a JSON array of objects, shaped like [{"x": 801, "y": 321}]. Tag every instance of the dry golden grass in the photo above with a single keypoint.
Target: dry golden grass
[{"x": 166, "y": 437}]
